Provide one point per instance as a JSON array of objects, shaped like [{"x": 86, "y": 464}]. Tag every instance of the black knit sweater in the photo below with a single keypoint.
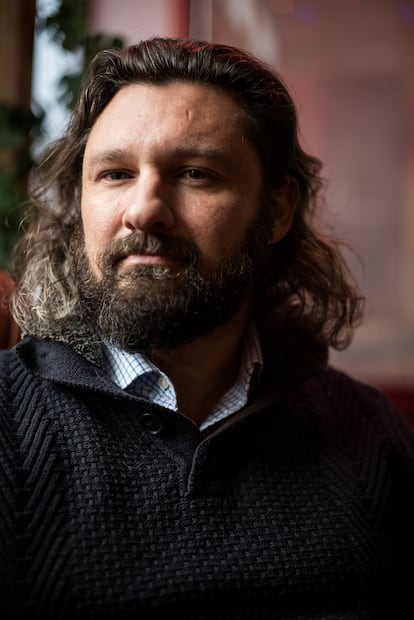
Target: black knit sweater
[{"x": 299, "y": 507}]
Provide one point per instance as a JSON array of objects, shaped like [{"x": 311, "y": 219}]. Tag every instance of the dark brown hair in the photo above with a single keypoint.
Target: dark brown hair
[{"x": 308, "y": 277}]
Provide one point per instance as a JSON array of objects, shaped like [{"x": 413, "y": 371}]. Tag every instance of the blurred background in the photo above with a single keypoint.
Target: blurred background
[{"x": 350, "y": 67}]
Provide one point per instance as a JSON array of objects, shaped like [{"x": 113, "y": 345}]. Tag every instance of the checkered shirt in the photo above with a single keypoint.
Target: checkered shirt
[{"x": 155, "y": 386}]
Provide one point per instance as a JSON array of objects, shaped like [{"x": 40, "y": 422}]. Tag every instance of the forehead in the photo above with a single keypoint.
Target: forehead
[{"x": 141, "y": 112}]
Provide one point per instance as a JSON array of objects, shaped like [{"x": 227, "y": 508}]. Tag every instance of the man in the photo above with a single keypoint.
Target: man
[{"x": 173, "y": 442}]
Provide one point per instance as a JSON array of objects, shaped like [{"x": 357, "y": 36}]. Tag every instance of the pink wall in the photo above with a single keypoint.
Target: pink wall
[{"x": 139, "y": 19}]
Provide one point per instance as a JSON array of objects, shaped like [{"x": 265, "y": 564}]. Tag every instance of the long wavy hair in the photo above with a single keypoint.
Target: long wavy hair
[{"x": 308, "y": 277}]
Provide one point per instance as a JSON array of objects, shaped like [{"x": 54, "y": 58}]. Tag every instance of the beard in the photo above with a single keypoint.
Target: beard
[{"x": 139, "y": 308}]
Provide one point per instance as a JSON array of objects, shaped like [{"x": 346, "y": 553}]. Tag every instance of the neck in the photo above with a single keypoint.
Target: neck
[{"x": 203, "y": 370}]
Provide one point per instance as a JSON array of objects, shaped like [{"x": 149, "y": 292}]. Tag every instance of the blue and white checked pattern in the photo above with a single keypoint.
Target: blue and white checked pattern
[{"x": 155, "y": 386}]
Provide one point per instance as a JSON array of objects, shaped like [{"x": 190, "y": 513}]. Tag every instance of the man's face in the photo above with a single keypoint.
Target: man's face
[{"x": 171, "y": 192}]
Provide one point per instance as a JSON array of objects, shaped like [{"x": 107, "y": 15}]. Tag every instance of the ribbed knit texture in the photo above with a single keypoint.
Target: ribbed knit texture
[{"x": 299, "y": 508}]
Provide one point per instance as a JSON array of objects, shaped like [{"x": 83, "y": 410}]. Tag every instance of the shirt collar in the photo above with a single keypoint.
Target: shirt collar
[{"x": 125, "y": 368}]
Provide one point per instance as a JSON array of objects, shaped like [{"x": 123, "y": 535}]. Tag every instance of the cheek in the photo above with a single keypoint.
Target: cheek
[
  {"x": 229, "y": 226},
  {"x": 221, "y": 236},
  {"x": 98, "y": 225}
]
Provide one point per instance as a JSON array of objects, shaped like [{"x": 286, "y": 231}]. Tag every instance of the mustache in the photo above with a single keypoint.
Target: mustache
[{"x": 160, "y": 245}]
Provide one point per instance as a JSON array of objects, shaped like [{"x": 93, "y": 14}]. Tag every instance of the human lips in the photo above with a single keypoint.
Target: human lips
[{"x": 148, "y": 259}]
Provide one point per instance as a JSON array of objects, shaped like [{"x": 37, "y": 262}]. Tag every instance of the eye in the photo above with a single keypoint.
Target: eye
[
  {"x": 196, "y": 174},
  {"x": 116, "y": 175}
]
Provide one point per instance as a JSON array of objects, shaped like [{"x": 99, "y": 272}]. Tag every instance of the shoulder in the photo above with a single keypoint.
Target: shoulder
[
  {"x": 362, "y": 439},
  {"x": 358, "y": 412},
  {"x": 10, "y": 369},
  {"x": 350, "y": 393},
  {"x": 20, "y": 381},
  {"x": 6, "y": 356}
]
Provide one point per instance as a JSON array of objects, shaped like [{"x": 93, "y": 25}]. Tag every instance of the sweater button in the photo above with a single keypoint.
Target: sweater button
[{"x": 151, "y": 423}]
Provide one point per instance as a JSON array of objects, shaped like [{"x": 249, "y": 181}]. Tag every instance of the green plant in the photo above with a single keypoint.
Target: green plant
[
  {"x": 68, "y": 27},
  {"x": 20, "y": 128}
]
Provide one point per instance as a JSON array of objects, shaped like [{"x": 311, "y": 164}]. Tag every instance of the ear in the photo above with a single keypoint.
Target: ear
[{"x": 283, "y": 203}]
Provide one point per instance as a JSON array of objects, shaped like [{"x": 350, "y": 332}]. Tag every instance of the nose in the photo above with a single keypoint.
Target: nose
[{"x": 148, "y": 207}]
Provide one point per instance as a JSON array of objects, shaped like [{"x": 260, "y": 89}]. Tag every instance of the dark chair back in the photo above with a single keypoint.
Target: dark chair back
[{"x": 9, "y": 331}]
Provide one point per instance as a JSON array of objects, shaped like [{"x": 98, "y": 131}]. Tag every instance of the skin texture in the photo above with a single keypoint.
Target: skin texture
[
  {"x": 160, "y": 159},
  {"x": 174, "y": 160}
]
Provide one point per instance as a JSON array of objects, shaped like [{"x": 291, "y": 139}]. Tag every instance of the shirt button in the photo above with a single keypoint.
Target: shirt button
[
  {"x": 151, "y": 423},
  {"x": 163, "y": 383}
]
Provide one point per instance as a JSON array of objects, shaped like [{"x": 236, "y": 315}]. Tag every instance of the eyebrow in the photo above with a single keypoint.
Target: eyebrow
[
  {"x": 213, "y": 155},
  {"x": 186, "y": 152},
  {"x": 107, "y": 157},
  {"x": 189, "y": 152}
]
